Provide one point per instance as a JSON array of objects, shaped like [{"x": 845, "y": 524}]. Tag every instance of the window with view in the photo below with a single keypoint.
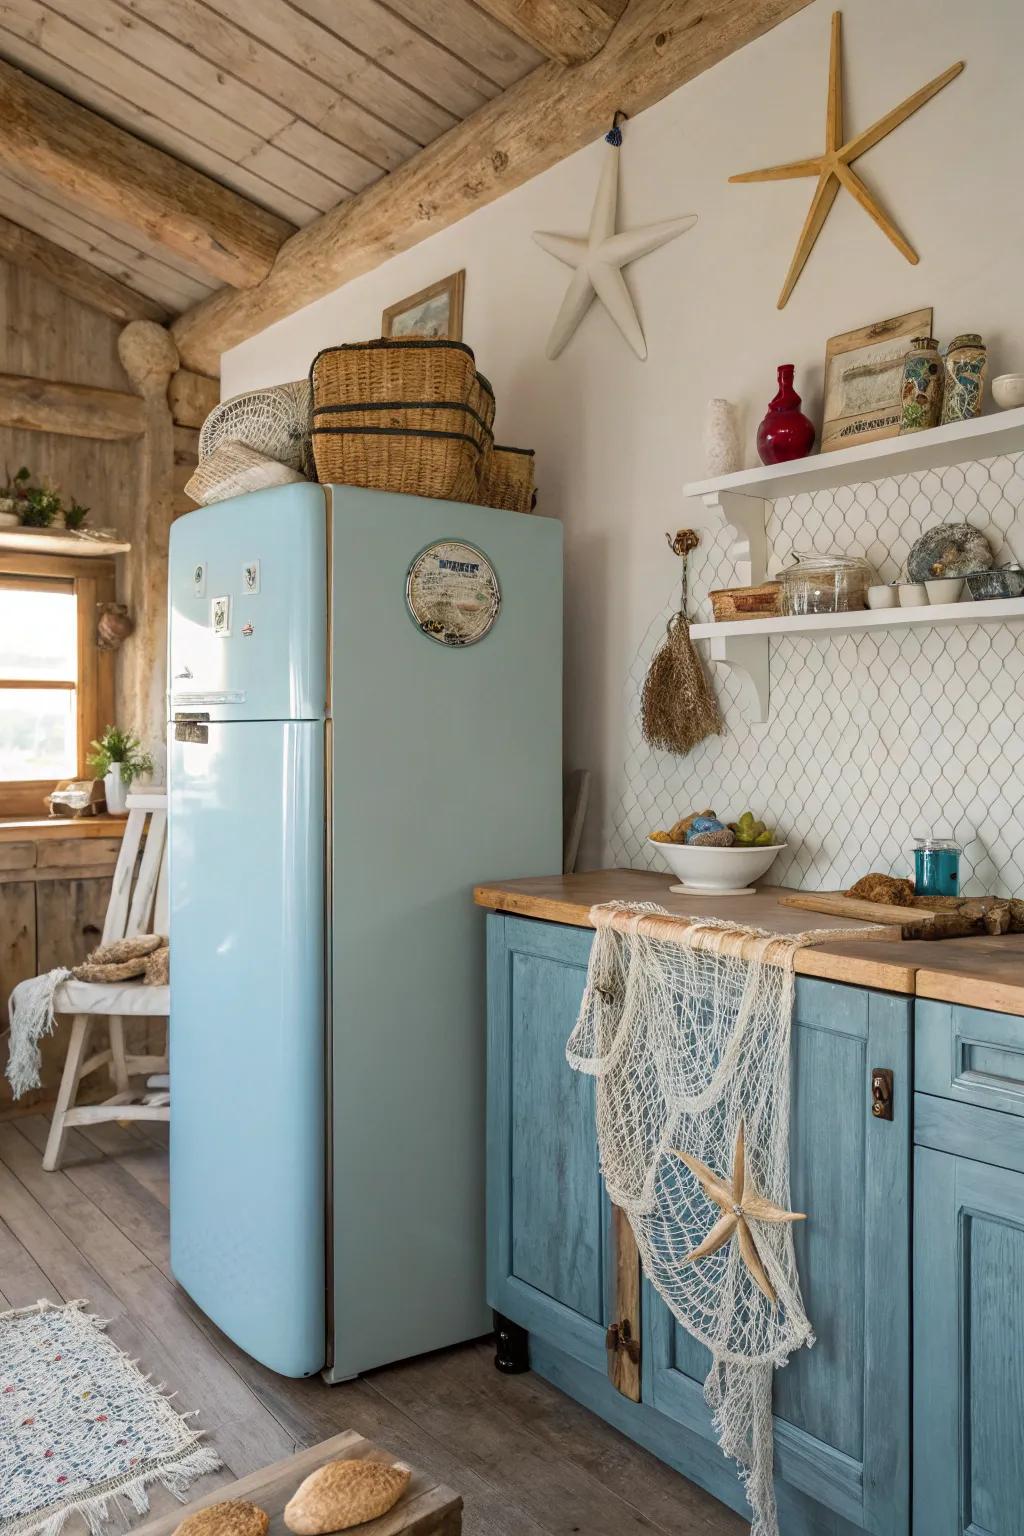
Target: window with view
[
  {"x": 38, "y": 681},
  {"x": 55, "y": 691}
]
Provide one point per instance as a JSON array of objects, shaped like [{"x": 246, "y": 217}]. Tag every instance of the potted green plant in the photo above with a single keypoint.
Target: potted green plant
[{"x": 118, "y": 759}]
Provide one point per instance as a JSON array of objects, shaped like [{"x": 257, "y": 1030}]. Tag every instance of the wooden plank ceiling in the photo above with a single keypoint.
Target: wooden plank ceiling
[{"x": 296, "y": 105}]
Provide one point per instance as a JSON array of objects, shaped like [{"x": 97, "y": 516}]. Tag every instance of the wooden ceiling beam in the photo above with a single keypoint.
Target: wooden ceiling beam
[
  {"x": 657, "y": 46},
  {"x": 79, "y": 279},
  {"x": 568, "y": 31},
  {"x": 110, "y": 172},
  {"x": 72, "y": 410}
]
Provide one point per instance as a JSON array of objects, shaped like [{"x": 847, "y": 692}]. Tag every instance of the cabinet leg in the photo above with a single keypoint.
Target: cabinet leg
[{"x": 512, "y": 1347}]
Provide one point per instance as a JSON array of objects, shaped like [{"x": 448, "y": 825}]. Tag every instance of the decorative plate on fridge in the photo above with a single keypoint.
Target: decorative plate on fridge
[{"x": 453, "y": 593}]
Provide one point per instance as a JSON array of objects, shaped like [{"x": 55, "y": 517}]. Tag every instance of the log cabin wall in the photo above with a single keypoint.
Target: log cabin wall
[
  {"x": 54, "y": 890},
  {"x": 44, "y": 334}
]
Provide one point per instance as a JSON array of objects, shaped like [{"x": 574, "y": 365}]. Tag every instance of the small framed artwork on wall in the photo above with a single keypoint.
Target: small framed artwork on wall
[
  {"x": 863, "y": 376},
  {"x": 435, "y": 311}
]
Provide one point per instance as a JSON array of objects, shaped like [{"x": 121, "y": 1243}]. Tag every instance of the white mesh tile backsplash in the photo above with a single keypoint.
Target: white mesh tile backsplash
[{"x": 872, "y": 738}]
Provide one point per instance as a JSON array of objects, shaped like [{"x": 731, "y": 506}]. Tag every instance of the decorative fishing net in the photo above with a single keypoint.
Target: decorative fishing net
[{"x": 685, "y": 1024}]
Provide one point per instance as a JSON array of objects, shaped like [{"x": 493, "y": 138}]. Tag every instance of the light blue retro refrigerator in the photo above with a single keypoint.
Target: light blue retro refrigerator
[{"x": 365, "y": 719}]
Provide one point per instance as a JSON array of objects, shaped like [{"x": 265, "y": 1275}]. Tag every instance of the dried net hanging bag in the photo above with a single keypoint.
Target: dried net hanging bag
[
  {"x": 678, "y": 707},
  {"x": 685, "y": 1024}
]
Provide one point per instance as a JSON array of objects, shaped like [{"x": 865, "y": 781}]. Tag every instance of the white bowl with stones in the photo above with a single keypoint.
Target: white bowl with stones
[{"x": 704, "y": 871}]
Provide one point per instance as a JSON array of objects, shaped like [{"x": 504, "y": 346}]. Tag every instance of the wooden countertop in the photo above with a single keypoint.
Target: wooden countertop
[
  {"x": 982, "y": 972},
  {"x": 59, "y": 828}
]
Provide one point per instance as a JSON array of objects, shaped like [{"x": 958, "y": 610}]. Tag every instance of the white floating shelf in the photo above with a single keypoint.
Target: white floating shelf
[
  {"x": 57, "y": 541},
  {"x": 986, "y": 437},
  {"x": 1002, "y": 610},
  {"x": 741, "y": 500}
]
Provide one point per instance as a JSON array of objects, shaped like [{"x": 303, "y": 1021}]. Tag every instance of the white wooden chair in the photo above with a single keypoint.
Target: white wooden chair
[{"x": 137, "y": 905}]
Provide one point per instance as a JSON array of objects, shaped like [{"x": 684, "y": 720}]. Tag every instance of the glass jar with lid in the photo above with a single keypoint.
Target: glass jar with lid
[
  {"x": 937, "y": 866},
  {"x": 825, "y": 584}
]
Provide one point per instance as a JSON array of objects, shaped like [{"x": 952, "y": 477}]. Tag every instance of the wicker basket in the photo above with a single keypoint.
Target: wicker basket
[
  {"x": 427, "y": 463},
  {"x": 506, "y": 479},
  {"x": 411, "y": 416},
  {"x": 410, "y": 368},
  {"x": 747, "y": 602},
  {"x": 234, "y": 469},
  {"x": 274, "y": 422}
]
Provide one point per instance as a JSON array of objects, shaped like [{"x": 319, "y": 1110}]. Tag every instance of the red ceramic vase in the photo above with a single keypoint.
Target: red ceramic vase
[{"x": 785, "y": 433}]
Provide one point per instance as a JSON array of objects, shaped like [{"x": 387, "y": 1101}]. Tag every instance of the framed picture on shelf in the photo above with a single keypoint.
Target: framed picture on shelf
[
  {"x": 863, "y": 375},
  {"x": 435, "y": 311}
]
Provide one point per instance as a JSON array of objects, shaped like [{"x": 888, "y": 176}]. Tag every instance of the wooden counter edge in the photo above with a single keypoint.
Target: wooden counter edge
[
  {"x": 820, "y": 961},
  {"x": 971, "y": 991},
  {"x": 60, "y": 828}
]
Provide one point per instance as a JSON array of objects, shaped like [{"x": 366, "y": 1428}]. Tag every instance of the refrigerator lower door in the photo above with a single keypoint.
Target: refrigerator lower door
[{"x": 247, "y": 1033}]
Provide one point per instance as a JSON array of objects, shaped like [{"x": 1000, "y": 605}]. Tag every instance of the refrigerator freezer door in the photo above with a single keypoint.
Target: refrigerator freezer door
[
  {"x": 447, "y": 770},
  {"x": 246, "y": 1034},
  {"x": 248, "y": 607}
]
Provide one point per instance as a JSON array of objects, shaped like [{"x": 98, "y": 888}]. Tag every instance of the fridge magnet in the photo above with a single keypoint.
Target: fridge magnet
[
  {"x": 199, "y": 579},
  {"x": 251, "y": 578},
  {"x": 453, "y": 593},
  {"x": 599, "y": 257},
  {"x": 832, "y": 167},
  {"x": 435, "y": 311},
  {"x": 220, "y": 617},
  {"x": 864, "y": 379}
]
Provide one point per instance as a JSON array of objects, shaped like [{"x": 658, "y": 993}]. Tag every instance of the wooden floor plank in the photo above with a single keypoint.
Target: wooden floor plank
[
  {"x": 22, "y": 1279},
  {"x": 443, "y": 1393},
  {"x": 71, "y": 1276},
  {"x": 666, "y": 1498},
  {"x": 133, "y": 1209},
  {"x": 135, "y": 1155}
]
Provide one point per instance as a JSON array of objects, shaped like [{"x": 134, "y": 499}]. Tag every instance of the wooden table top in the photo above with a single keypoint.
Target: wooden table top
[{"x": 983, "y": 972}]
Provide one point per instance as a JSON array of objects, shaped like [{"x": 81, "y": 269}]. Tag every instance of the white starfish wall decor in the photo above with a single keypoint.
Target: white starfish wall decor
[{"x": 600, "y": 256}]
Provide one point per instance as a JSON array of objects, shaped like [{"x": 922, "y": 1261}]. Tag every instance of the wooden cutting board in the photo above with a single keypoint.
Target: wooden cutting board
[{"x": 835, "y": 904}]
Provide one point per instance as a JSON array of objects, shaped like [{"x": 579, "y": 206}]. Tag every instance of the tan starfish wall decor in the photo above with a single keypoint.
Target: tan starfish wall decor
[
  {"x": 739, "y": 1205},
  {"x": 832, "y": 166}
]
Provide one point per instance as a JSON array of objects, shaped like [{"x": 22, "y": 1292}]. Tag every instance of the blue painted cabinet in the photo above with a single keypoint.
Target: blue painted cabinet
[
  {"x": 549, "y": 1259},
  {"x": 968, "y": 1272},
  {"x": 842, "y": 1408}
]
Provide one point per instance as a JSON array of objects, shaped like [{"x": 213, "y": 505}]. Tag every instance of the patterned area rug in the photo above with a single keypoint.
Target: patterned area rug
[{"x": 81, "y": 1429}]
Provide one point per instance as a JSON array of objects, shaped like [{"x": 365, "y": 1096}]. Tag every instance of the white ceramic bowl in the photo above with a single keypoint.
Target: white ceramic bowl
[
  {"x": 716, "y": 871},
  {"x": 946, "y": 590},
  {"x": 1008, "y": 390},
  {"x": 883, "y": 597}
]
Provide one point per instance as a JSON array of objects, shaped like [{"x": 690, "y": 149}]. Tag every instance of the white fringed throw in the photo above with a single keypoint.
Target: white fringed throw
[
  {"x": 685, "y": 1024},
  {"x": 82, "y": 1431},
  {"x": 32, "y": 1017}
]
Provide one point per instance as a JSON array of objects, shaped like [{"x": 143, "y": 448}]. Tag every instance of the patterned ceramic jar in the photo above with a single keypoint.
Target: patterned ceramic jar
[
  {"x": 966, "y": 364},
  {"x": 921, "y": 391}
]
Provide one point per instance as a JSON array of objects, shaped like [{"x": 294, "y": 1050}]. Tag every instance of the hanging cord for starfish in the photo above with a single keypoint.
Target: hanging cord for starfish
[
  {"x": 614, "y": 134},
  {"x": 678, "y": 706}
]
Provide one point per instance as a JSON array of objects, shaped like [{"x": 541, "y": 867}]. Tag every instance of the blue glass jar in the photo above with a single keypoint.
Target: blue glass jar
[{"x": 937, "y": 867}]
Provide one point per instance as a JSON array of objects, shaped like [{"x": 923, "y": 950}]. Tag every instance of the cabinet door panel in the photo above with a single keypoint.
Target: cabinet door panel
[
  {"x": 850, "y": 1174},
  {"x": 556, "y": 1188},
  {"x": 968, "y": 1285},
  {"x": 549, "y": 1252}
]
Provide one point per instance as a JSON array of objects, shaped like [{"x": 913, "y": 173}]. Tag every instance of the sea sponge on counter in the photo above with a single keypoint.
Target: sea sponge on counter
[{"x": 886, "y": 889}]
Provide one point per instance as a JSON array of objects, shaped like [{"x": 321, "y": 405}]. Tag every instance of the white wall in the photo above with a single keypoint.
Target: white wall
[{"x": 616, "y": 438}]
